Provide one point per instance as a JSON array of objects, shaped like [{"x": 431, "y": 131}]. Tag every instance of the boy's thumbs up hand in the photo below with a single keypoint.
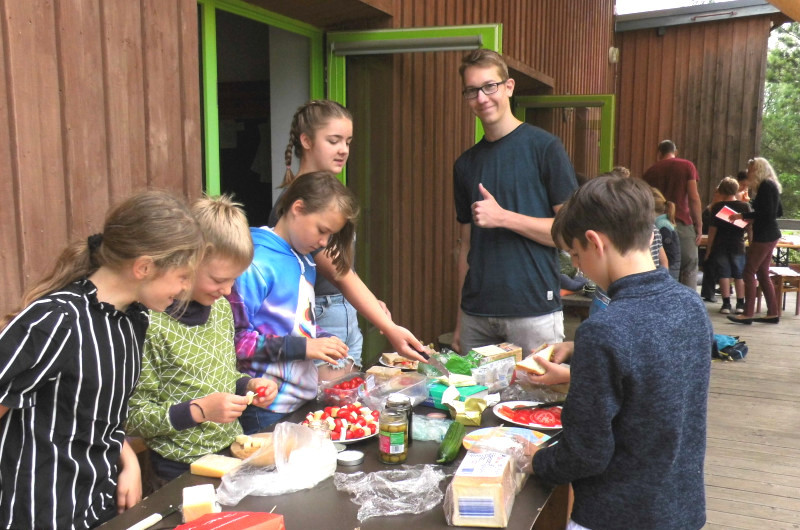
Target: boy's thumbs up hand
[{"x": 486, "y": 213}]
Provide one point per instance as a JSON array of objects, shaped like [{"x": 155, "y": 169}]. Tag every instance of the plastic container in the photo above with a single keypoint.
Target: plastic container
[
  {"x": 332, "y": 394},
  {"x": 412, "y": 384}
]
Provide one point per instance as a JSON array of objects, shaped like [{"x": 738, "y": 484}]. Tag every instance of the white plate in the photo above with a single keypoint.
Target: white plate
[
  {"x": 353, "y": 440},
  {"x": 511, "y": 405}
]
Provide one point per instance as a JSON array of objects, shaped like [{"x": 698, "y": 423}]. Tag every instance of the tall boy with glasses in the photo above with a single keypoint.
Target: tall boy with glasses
[{"x": 507, "y": 189}]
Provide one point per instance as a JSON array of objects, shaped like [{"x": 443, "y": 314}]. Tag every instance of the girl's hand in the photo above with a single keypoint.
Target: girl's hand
[
  {"x": 219, "y": 407},
  {"x": 405, "y": 343},
  {"x": 328, "y": 349},
  {"x": 735, "y": 217},
  {"x": 267, "y": 396},
  {"x": 555, "y": 373},
  {"x": 129, "y": 480}
]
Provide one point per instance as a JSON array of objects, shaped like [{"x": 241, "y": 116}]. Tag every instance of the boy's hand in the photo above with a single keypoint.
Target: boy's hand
[
  {"x": 487, "y": 213},
  {"x": 555, "y": 373},
  {"x": 328, "y": 349},
  {"x": 219, "y": 407},
  {"x": 271, "y": 390},
  {"x": 562, "y": 351}
]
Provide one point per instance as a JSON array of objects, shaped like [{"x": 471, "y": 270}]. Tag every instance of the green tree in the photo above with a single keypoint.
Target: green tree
[{"x": 781, "y": 118}]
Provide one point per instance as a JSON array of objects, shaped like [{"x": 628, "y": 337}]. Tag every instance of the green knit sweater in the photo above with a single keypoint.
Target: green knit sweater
[{"x": 182, "y": 363}]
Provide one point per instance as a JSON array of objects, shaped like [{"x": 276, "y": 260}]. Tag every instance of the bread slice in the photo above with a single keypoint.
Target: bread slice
[
  {"x": 529, "y": 364},
  {"x": 246, "y": 446}
]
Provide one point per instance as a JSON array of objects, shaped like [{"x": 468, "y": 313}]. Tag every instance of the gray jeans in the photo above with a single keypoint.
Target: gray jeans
[
  {"x": 687, "y": 236},
  {"x": 528, "y": 332}
]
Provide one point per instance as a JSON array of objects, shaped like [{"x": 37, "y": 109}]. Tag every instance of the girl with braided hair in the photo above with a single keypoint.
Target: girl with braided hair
[{"x": 320, "y": 138}]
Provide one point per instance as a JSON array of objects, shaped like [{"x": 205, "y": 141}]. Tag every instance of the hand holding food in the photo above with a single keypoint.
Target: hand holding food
[
  {"x": 219, "y": 407},
  {"x": 328, "y": 349},
  {"x": 405, "y": 343},
  {"x": 264, "y": 391},
  {"x": 562, "y": 351},
  {"x": 554, "y": 373}
]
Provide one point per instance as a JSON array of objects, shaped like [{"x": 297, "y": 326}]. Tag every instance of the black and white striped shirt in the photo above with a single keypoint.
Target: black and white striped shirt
[{"x": 68, "y": 365}]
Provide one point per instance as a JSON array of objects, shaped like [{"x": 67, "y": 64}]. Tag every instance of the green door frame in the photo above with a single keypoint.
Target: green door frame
[
  {"x": 491, "y": 37},
  {"x": 606, "y": 103},
  {"x": 208, "y": 45}
]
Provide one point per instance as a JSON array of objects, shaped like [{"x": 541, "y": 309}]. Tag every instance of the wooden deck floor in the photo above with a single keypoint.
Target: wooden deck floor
[{"x": 753, "y": 455}]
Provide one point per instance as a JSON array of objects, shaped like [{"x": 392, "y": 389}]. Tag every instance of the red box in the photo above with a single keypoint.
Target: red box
[{"x": 236, "y": 521}]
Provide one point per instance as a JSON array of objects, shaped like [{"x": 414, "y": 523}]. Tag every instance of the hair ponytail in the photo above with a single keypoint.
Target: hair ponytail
[
  {"x": 306, "y": 120},
  {"x": 149, "y": 223}
]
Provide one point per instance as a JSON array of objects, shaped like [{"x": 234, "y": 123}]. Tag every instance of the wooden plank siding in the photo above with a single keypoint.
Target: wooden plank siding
[
  {"x": 698, "y": 85},
  {"x": 99, "y": 98},
  {"x": 568, "y": 41}
]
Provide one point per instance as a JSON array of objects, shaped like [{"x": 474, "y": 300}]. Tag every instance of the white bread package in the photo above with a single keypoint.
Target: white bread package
[{"x": 482, "y": 491}]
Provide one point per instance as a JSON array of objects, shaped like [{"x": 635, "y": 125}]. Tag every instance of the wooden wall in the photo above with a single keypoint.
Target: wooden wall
[
  {"x": 699, "y": 85},
  {"x": 99, "y": 98},
  {"x": 568, "y": 41}
]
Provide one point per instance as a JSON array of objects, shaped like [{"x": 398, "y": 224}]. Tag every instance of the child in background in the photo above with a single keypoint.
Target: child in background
[
  {"x": 725, "y": 248},
  {"x": 70, "y": 359},
  {"x": 665, "y": 222},
  {"x": 273, "y": 300},
  {"x": 190, "y": 394},
  {"x": 630, "y": 464},
  {"x": 320, "y": 138}
]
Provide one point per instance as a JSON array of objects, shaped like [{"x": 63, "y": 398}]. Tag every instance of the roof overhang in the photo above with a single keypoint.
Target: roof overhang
[
  {"x": 790, "y": 8},
  {"x": 701, "y": 13}
]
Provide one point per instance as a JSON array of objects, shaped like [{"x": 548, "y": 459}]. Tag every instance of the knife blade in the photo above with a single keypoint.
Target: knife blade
[{"x": 436, "y": 363}]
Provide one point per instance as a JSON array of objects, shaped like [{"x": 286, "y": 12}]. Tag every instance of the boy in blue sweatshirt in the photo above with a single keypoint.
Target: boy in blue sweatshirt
[{"x": 634, "y": 420}]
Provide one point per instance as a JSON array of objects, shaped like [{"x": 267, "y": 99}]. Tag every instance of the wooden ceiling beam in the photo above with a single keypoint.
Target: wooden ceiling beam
[{"x": 790, "y": 8}]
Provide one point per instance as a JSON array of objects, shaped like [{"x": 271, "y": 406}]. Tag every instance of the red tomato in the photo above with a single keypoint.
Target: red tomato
[
  {"x": 261, "y": 391},
  {"x": 545, "y": 417}
]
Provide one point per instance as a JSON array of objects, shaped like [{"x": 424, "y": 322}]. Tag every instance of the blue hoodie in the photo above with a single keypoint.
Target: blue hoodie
[{"x": 273, "y": 313}]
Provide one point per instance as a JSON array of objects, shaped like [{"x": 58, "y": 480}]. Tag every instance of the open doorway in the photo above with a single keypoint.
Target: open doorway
[{"x": 261, "y": 77}]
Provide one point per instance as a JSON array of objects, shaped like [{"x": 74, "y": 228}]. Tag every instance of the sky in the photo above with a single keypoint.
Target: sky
[{"x": 637, "y": 6}]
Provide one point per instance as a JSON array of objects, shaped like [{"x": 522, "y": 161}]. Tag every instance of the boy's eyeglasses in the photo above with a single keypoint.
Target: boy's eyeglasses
[{"x": 488, "y": 88}]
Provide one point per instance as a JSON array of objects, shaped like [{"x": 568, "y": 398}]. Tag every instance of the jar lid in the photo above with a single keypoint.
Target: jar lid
[
  {"x": 398, "y": 399},
  {"x": 350, "y": 458}
]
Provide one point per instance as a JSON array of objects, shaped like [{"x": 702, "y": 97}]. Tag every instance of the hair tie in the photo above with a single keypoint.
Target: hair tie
[{"x": 94, "y": 242}]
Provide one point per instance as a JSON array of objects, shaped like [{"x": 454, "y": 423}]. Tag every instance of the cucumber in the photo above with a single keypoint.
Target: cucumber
[{"x": 451, "y": 444}]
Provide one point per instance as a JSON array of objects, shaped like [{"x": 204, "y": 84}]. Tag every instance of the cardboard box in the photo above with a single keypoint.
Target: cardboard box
[
  {"x": 236, "y": 521},
  {"x": 436, "y": 390},
  {"x": 496, "y": 352}
]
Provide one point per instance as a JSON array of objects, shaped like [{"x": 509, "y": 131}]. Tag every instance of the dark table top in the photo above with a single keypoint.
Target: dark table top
[{"x": 325, "y": 508}]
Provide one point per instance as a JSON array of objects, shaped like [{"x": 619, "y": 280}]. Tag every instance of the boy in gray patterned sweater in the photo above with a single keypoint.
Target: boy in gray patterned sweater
[{"x": 634, "y": 420}]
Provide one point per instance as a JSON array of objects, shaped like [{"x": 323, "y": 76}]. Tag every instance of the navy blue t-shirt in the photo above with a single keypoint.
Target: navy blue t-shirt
[{"x": 528, "y": 172}]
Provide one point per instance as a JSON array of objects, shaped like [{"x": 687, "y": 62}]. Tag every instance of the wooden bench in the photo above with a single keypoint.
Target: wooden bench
[{"x": 784, "y": 280}]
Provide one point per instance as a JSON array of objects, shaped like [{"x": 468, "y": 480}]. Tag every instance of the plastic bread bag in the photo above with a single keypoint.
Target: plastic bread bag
[
  {"x": 303, "y": 458},
  {"x": 522, "y": 389},
  {"x": 520, "y": 444},
  {"x": 495, "y": 375},
  {"x": 408, "y": 489}
]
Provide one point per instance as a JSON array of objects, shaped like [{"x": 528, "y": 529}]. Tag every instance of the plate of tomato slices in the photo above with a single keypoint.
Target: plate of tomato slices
[{"x": 547, "y": 418}]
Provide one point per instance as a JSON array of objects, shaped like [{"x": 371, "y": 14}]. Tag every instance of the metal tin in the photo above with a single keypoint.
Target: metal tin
[{"x": 350, "y": 458}]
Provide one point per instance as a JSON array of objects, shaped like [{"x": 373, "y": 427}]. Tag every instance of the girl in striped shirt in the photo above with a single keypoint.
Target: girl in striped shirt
[{"x": 70, "y": 359}]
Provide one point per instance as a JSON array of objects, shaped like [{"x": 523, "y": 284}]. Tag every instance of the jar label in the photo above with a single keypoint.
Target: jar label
[{"x": 391, "y": 443}]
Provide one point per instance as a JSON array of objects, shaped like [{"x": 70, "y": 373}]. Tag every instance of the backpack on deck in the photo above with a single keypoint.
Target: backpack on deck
[{"x": 728, "y": 348}]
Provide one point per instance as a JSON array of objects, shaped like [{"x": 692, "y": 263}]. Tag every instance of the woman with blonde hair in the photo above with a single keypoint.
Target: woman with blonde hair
[{"x": 766, "y": 193}]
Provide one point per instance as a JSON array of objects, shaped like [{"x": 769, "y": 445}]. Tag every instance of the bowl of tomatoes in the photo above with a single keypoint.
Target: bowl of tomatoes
[{"x": 342, "y": 390}]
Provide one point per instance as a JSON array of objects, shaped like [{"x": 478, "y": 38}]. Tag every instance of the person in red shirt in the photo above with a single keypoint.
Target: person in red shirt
[{"x": 677, "y": 179}]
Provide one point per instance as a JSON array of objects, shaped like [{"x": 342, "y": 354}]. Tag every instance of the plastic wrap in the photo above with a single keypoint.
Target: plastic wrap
[
  {"x": 303, "y": 458},
  {"x": 522, "y": 389},
  {"x": 424, "y": 428},
  {"x": 409, "y": 489},
  {"x": 506, "y": 441}
]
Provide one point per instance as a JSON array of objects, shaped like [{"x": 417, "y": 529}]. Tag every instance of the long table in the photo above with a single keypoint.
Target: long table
[{"x": 325, "y": 508}]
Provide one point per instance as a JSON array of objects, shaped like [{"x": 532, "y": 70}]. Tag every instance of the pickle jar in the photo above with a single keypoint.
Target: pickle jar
[
  {"x": 402, "y": 403},
  {"x": 393, "y": 436}
]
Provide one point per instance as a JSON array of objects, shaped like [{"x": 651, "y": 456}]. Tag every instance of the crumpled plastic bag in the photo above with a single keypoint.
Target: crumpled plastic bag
[
  {"x": 409, "y": 489},
  {"x": 303, "y": 458}
]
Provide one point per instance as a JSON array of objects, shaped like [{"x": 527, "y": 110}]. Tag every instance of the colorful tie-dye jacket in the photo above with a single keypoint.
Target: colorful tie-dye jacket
[{"x": 273, "y": 313}]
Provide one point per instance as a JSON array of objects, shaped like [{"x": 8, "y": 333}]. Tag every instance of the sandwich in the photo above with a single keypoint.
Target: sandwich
[
  {"x": 396, "y": 360},
  {"x": 530, "y": 365},
  {"x": 246, "y": 446}
]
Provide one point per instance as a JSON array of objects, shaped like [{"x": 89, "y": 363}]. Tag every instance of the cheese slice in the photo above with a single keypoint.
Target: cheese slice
[
  {"x": 482, "y": 491},
  {"x": 213, "y": 465},
  {"x": 199, "y": 501}
]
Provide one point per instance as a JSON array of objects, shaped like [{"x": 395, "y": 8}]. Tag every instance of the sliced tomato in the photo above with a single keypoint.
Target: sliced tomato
[{"x": 545, "y": 417}]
